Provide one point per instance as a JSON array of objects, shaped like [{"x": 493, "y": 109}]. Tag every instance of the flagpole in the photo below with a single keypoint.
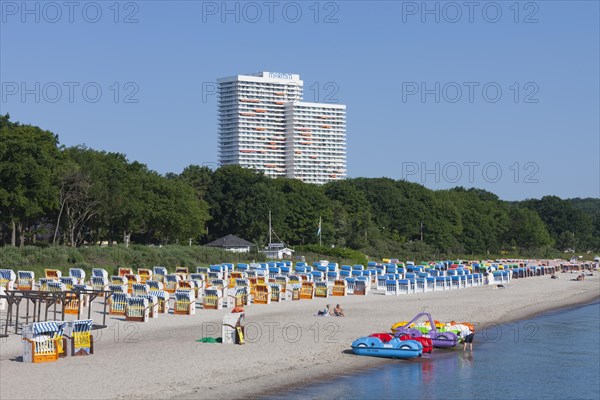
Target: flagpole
[
  {"x": 270, "y": 229},
  {"x": 320, "y": 244}
]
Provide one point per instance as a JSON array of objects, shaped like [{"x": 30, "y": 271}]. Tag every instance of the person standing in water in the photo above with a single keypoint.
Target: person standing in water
[{"x": 468, "y": 339}]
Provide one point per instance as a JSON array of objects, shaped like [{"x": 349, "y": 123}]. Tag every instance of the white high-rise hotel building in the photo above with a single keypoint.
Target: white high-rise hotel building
[{"x": 264, "y": 125}]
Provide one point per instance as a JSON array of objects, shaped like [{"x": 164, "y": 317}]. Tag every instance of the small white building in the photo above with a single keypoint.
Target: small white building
[
  {"x": 278, "y": 250},
  {"x": 232, "y": 243}
]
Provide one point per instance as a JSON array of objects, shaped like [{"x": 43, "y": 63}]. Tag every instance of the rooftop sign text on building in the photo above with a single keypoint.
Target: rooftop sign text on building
[{"x": 280, "y": 75}]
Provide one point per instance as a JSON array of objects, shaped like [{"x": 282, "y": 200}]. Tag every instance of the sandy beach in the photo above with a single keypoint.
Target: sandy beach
[{"x": 285, "y": 343}]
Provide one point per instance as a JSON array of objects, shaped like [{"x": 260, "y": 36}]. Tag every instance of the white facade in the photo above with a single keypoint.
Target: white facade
[
  {"x": 316, "y": 141},
  {"x": 262, "y": 121}
]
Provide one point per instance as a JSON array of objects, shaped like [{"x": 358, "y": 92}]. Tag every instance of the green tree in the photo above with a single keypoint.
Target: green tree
[
  {"x": 527, "y": 231},
  {"x": 29, "y": 158}
]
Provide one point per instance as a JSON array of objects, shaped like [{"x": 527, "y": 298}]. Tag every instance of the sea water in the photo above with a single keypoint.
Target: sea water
[{"x": 553, "y": 356}]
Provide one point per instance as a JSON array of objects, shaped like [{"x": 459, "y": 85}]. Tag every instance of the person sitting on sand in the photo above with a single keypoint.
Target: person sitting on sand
[
  {"x": 323, "y": 313},
  {"x": 338, "y": 312}
]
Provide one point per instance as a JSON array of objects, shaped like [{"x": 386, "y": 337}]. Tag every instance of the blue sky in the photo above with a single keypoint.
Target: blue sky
[{"x": 156, "y": 67}]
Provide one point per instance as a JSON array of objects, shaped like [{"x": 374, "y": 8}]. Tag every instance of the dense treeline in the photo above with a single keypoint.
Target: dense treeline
[{"x": 72, "y": 196}]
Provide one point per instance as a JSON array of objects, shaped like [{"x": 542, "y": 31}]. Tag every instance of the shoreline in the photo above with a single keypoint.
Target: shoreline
[
  {"x": 587, "y": 297},
  {"x": 161, "y": 359},
  {"x": 378, "y": 363}
]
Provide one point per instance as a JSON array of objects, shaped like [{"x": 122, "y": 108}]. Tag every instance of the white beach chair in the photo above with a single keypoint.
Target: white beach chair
[
  {"x": 138, "y": 309},
  {"x": 404, "y": 286},
  {"x": 78, "y": 274},
  {"x": 185, "y": 302},
  {"x": 213, "y": 299},
  {"x": 152, "y": 304},
  {"x": 118, "y": 303},
  {"x": 159, "y": 273},
  {"x": 139, "y": 289},
  {"x": 99, "y": 283},
  {"x": 25, "y": 280},
  {"x": 391, "y": 287},
  {"x": 276, "y": 293},
  {"x": 79, "y": 333},
  {"x": 43, "y": 341}
]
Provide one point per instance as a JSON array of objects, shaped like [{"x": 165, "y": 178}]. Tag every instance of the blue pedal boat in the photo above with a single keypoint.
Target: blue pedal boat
[{"x": 395, "y": 348}]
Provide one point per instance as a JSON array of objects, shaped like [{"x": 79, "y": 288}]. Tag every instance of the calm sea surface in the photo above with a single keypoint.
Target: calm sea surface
[{"x": 553, "y": 356}]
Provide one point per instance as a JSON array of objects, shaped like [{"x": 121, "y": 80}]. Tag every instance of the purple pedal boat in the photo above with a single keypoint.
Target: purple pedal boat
[{"x": 439, "y": 339}]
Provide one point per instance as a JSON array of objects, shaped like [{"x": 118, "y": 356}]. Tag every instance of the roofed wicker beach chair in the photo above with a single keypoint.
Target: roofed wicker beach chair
[
  {"x": 145, "y": 274},
  {"x": 74, "y": 302},
  {"x": 125, "y": 271},
  {"x": 68, "y": 281},
  {"x": 84, "y": 297},
  {"x": 78, "y": 274},
  {"x": 155, "y": 286},
  {"x": 99, "y": 280},
  {"x": 116, "y": 288},
  {"x": 321, "y": 289},
  {"x": 235, "y": 275},
  {"x": 276, "y": 293},
  {"x": 79, "y": 333},
  {"x": 152, "y": 304},
  {"x": 25, "y": 280},
  {"x": 350, "y": 282},
  {"x": 55, "y": 286},
  {"x": 307, "y": 290},
  {"x": 138, "y": 289},
  {"x": 159, "y": 273},
  {"x": 118, "y": 303},
  {"x": 262, "y": 294},
  {"x": 171, "y": 282},
  {"x": 137, "y": 309},
  {"x": 119, "y": 280},
  {"x": 360, "y": 287},
  {"x": 185, "y": 303},
  {"x": 44, "y": 283},
  {"x": 100, "y": 272},
  {"x": 131, "y": 279},
  {"x": 340, "y": 288},
  {"x": 7, "y": 279},
  {"x": 3, "y": 301},
  {"x": 52, "y": 274},
  {"x": 163, "y": 300},
  {"x": 213, "y": 299},
  {"x": 186, "y": 285},
  {"x": 43, "y": 342},
  {"x": 391, "y": 287}
]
